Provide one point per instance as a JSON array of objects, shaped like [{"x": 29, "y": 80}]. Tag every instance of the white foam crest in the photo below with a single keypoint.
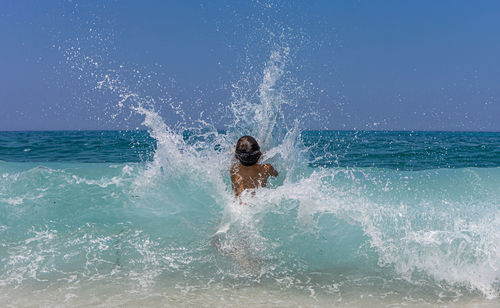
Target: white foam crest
[
  {"x": 13, "y": 200},
  {"x": 459, "y": 252},
  {"x": 467, "y": 255},
  {"x": 168, "y": 143},
  {"x": 174, "y": 157},
  {"x": 102, "y": 182}
]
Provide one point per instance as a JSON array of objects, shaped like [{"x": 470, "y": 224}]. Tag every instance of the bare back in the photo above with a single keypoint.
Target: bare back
[{"x": 250, "y": 177}]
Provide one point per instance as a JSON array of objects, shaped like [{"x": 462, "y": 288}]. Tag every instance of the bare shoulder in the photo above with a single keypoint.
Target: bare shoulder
[
  {"x": 270, "y": 170},
  {"x": 234, "y": 169}
]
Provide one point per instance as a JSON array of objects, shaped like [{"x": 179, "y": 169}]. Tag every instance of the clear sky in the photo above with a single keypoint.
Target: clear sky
[{"x": 413, "y": 65}]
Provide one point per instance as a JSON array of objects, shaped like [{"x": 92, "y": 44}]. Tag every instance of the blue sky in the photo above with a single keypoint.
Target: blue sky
[{"x": 420, "y": 65}]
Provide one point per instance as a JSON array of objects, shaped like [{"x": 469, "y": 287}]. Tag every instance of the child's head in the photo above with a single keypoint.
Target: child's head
[{"x": 247, "y": 150}]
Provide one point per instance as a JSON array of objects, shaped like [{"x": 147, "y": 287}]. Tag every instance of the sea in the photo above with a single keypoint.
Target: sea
[{"x": 148, "y": 218}]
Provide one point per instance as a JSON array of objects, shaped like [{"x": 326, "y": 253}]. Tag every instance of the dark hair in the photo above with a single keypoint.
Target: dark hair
[{"x": 247, "y": 150}]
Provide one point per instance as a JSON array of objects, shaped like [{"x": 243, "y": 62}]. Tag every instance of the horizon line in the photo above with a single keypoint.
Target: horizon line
[{"x": 219, "y": 129}]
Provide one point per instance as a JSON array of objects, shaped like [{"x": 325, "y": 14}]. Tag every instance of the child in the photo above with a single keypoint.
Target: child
[{"x": 246, "y": 173}]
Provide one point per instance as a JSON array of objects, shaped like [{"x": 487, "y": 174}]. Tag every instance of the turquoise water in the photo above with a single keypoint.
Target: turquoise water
[{"x": 353, "y": 218}]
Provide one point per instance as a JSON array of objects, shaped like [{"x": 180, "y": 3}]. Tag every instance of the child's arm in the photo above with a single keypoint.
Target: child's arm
[
  {"x": 270, "y": 169},
  {"x": 236, "y": 181}
]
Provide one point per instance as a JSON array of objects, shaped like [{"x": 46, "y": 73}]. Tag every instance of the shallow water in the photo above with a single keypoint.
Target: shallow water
[{"x": 169, "y": 232}]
